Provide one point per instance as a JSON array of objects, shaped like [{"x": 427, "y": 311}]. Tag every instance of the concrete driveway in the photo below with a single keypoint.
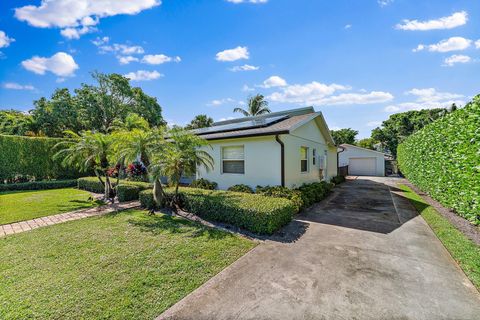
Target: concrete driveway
[{"x": 361, "y": 254}]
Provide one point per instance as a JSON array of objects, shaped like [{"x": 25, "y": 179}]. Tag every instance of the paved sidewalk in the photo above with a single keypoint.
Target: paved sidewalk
[{"x": 28, "y": 225}]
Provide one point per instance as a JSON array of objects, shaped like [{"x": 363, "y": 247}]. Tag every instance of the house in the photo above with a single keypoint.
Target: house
[
  {"x": 287, "y": 148},
  {"x": 361, "y": 161}
]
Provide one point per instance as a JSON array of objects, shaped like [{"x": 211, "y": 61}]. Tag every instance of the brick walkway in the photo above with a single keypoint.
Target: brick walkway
[{"x": 28, "y": 225}]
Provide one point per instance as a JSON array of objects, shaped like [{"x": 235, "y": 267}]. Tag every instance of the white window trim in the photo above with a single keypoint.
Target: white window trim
[
  {"x": 308, "y": 160},
  {"x": 222, "y": 160}
]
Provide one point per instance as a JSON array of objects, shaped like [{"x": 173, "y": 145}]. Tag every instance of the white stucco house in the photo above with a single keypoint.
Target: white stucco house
[
  {"x": 285, "y": 148},
  {"x": 361, "y": 161}
]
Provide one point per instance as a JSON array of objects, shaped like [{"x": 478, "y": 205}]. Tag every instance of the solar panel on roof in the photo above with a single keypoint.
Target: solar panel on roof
[{"x": 248, "y": 124}]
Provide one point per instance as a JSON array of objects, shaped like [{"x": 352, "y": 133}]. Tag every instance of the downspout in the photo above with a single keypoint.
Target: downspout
[
  {"x": 338, "y": 160},
  {"x": 282, "y": 159}
]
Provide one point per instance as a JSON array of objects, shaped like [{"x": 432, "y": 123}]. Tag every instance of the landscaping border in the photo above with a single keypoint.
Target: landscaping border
[{"x": 468, "y": 229}]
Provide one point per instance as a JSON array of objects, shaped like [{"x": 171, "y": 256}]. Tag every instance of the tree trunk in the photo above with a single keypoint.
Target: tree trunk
[{"x": 158, "y": 194}]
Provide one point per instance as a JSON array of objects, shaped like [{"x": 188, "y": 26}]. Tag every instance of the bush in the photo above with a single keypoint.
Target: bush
[
  {"x": 32, "y": 158},
  {"x": 124, "y": 194},
  {"x": 127, "y": 192},
  {"x": 39, "y": 185},
  {"x": 204, "y": 184},
  {"x": 314, "y": 192},
  {"x": 443, "y": 160},
  {"x": 337, "y": 179},
  {"x": 241, "y": 188},
  {"x": 282, "y": 192},
  {"x": 256, "y": 213}
]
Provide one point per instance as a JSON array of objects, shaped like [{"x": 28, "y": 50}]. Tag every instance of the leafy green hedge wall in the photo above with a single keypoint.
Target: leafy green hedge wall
[
  {"x": 27, "y": 156},
  {"x": 443, "y": 159}
]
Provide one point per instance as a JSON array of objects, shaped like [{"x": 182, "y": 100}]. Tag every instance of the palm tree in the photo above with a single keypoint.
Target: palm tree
[
  {"x": 180, "y": 155},
  {"x": 87, "y": 151},
  {"x": 200, "y": 121},
  {"x": 257, "y": 105},
  {"x": 132, "y": 121}
]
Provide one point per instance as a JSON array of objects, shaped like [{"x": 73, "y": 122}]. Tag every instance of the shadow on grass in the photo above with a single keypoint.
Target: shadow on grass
[{"x": 158, "y": 224}]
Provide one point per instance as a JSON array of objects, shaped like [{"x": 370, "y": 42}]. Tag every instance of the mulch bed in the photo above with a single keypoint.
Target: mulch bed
[{"x": 469, "y": 230}]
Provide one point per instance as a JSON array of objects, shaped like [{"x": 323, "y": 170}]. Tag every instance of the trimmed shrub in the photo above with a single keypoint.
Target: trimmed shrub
[
  {"x": 241, "y": 188},
  {"x": 443, "y": 159},
  {"x": 32, "y": 157},
  {"x": 314, "y": 192},
  {"x": 256, "y": 213},
  {"x": 282, "y": 192},
  {"x": 127, "y": 192},
  {"x": 93, "y": 185},
  {"x": 39, "y": 185},
  {"x": 204, "y": 184},
  {"x": 337, "y": 179}
]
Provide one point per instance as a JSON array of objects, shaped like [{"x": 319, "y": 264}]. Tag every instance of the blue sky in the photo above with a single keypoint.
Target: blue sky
[{"x": 356, "y": 61}]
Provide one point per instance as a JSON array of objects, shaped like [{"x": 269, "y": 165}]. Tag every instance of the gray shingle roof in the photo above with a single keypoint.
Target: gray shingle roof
[{"x": 281, "y": 127}]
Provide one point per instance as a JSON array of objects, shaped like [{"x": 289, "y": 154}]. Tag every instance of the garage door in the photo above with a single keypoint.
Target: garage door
[{"x": 362, "y": 167}]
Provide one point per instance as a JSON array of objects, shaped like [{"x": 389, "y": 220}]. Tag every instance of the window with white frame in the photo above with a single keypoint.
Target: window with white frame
[
  {"x": 233, "y": 159},
  {"x": 303, "y": 159}
]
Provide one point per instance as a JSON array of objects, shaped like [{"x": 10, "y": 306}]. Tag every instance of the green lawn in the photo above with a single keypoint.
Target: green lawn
[
  {"x": 25, "y": 205},
  {"x": 462, "y": 249},
  {"x": 120, "y": 266}
]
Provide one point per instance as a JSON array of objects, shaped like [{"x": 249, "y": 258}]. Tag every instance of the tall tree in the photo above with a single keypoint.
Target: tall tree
[
  {"x": 344, "y": 136},
  {"x": 256, "y": 105},
  {"x": 399, "y": 126},
  {"x": 15, "y": 122},
  {"x": 200, "y": 121},
  {"x": 367, "y": 143},
  {"x": 99, "y": 107},
  {"x": 59, "y": 114}
]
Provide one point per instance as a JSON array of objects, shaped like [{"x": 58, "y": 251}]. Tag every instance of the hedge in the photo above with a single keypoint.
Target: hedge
[
  {"x": 443, "y": 159},
  {"x": 126, "y": 191},
  {"x": 31, "y": 157},
  {"x": 39, "y": 185},
  {"x": 256, "y": 213}
]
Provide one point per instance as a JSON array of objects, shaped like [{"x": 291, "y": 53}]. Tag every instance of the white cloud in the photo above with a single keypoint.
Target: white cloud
[
  {"x": 477, "y": 44},
  {"x": 456, "y": 58},
  {"x": 447, "y": 45},
  {"x": 233, "y": 54},
  {"x": 126, "y": 59},
  {"x": 384, "y": 3},
  {"x": 248, "y": 1},
  {"x": 246, "y": 88},
  {"x": 357, "y": 98},
  {"x": 274, "y": 81},
  {"x": 428, "y": 98},
  {"x": 5, "y": 40},
  {"x": 316, "y": 93},
  {"x": 347, "y": 26},
  {"x": 17, "y": 86},
  {"x": 455, "y": 20},
  {"x": 143, "y": 75},
  {"x": 309, "y": 93},
  {"x": 374, "y": 123},
  {"x": 159, "y": 59},
  {"x": 75, "y": 33},
  {"x": 245, "y": 67},
  {"x": 219, "y": 102},
  {"x": 78, "y": 17},
  {"x": 61, "y": 64}
]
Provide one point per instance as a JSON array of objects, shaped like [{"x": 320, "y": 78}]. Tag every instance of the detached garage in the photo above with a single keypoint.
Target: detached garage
[{"x": 361, "y": 161}]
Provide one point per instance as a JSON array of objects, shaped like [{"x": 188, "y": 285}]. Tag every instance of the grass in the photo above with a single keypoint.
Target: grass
[
  {"x": 462, "y": 249},
  {"x": 25, "y": 205},
  {"x": 120, "y": 266}
]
